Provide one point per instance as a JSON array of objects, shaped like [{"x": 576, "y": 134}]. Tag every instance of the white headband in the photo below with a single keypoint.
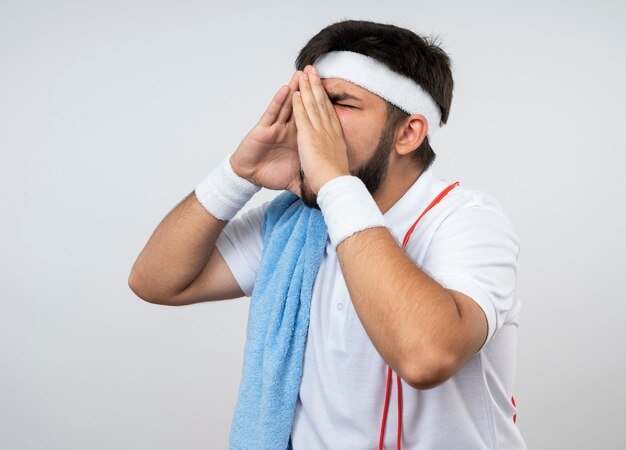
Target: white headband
[{"x": 377, "y": 78}]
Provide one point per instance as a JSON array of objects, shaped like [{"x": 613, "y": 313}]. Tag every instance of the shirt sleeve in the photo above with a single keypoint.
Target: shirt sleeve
[
  {"x": 241, "y": 245},
  {"x": 475, "y": 251}
]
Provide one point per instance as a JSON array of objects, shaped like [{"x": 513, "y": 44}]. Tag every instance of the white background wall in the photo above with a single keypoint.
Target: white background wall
[{"x": 112, "y": 111}]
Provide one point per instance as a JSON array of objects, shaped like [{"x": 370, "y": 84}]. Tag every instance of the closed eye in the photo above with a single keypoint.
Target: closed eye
[
  {"x": 343, "y": 105},
  {"x": 336, "y": 97}
]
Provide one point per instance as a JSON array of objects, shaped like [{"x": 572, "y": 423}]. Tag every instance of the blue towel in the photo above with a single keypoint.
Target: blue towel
[{"x": 294, "y": 240}]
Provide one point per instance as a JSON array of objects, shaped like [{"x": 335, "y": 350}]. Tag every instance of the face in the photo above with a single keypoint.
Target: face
[{"x": 369, "y": 143}]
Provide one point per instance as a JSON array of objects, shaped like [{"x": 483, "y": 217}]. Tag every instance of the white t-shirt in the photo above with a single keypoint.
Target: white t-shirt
[{"x": 465, "y": 243}]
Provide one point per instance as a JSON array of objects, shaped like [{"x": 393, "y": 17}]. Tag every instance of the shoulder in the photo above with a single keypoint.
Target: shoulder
[
  {"x": 474, "y": 207},
  {"x": 467, "y": 221},
  {"x": 474, "y": 230},
  {"x": 247, "y": 224},
  {"x": 250, "y": 217}
]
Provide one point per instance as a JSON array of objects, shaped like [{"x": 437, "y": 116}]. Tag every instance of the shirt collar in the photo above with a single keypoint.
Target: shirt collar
[{"x": 417, "y": 198}]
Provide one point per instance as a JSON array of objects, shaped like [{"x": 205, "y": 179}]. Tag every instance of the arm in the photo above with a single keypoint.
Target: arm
[
  {"x": 179, "y": 264},
  {"x": 426, "y": 333},
  {"x": 176, "y": 253}
]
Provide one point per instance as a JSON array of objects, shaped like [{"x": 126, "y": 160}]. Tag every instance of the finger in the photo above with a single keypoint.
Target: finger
[
  {"x": 329, "y": 108},
  {"x": 271, "y": 113},
  {"x": 321, "y": 97},
  {"x": 327, "y": 112},
  {"x": 285, "y": 113},
  {"x": 332, "y": 115},
  {"x": 293, "y": 83},
  {"x": 335, "y": 122},
  {"x": 309, "y": 103},
  {"x": 299, "y": 112}
]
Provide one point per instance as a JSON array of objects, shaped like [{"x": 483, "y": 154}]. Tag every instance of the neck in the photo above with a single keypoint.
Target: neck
[{"x": 396, "y": 183}]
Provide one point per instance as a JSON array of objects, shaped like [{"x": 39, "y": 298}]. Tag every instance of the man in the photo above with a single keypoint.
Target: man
[{"x": 350, "y": 137}]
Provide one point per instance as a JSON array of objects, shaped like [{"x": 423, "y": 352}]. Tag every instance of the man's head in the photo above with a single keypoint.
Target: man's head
[{"x": 374, "y": 128}]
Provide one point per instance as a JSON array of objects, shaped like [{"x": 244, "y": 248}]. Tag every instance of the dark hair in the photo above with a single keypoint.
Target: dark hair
[{"x": 402, "y": 51}]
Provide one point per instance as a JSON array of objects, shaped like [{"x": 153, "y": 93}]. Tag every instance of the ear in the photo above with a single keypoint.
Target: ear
[{"x": 412, "y": 132}]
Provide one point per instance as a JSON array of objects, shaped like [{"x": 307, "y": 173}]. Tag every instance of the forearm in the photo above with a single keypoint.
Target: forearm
[
  {"x": 402, "y": 309},
  {"x": 177, "y": 250}
]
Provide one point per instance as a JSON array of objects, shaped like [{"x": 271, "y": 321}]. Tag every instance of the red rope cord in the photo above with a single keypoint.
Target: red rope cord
[
  {"x": 382, "y": 427},
  {"x": 441, "y": 195}
]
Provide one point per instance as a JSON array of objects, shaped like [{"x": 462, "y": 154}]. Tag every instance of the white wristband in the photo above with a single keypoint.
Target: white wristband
[
  {"x": 223, "y": 193},
  {"x": 348, "y": 207}
]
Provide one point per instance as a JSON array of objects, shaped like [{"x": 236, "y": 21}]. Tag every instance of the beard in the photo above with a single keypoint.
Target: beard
[{"x": 372, "y": 172}]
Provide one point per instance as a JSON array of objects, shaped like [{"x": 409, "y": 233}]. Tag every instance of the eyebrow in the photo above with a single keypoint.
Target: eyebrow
[{"x": 339, "y": 96}]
